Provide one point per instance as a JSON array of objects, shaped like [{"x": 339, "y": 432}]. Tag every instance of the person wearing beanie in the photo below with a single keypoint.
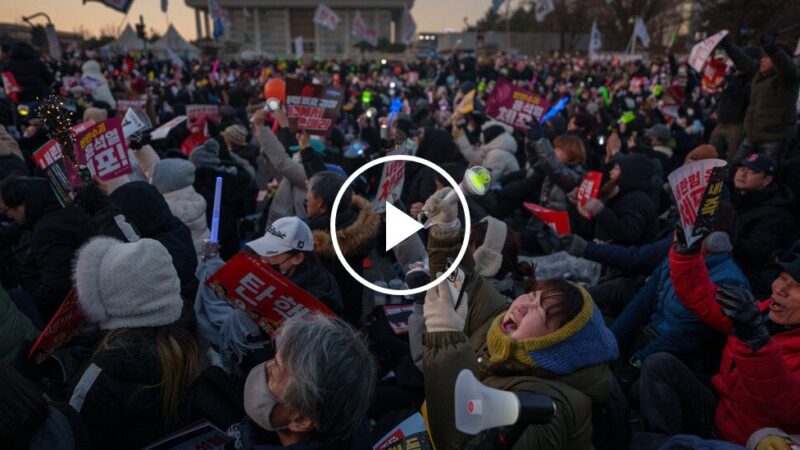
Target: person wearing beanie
[
  {"x": 95, "y": 114},
  {"x": 550, "y": 340},
  {"x": 497, "y": 150},
  {"x": 235, "y": 137},
  {"x": 135, "y": 389}
]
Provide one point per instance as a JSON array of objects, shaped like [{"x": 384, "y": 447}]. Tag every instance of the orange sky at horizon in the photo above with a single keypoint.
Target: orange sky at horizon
[{"x": 71, "y": 15}]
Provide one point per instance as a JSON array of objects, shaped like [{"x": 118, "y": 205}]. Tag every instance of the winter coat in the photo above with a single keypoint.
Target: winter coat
[
  {"x": 250, "y": 436},
  {"x": 756, "y": 389},
  {"x": 118, "y": 395},
  {"x": 147, "y": 210},
  {"x": 15, "y": 329},
  {"x": 630, "y": 217},
  {"x": 559, "y": 179},
  {"x": 46, "y": 250},
  {"x": 62, "y": 430},
  {"x": 92, "y": 75},
  {"x": 657, "y": 306},
  {"x": 771, "y": 114},
  {"x": 190, "y": 208},
  {"x": 733, "y": 100},
  {"x": 499, "y": 155},
  {"x": 437, "y": 147},
  {"x": 12, "y": 160},
  {"x": 357, "y": 230},
  {"x": 764, "y": 223},
  {"x": 31, "y": 73},
  {"x": 642, "y": 260},
  {"x": 448, "y": 352}
]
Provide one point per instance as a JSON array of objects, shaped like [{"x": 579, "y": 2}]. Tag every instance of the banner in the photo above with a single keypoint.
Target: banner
[
  {"x": 496, "y": 4},
  {"x": 124, "y": 105},
  {"x": 326, "y": 17},
  {"x": 120, "y": 5},
  {"x": 688, "y": 184},
  {"x": 64, "y": 179},
  {"x": 199, "y": 436},
  {"x": 559, "y": 220},
  {"x": 514, "y": 106},
  {"x": 703, "y": 49},
  {"x": 64, "y": 325},
  {"x": 411, "y": 434},
  {"x": 162, "y": 131},
  {"x": 363, "y": 31},
  {"x": 409, "y": 28},
  {"x": 263, "y": 294},
  {"x": 312, "y": 107},
  {"x": 640, "y": 31},
  {"x": 397, "y": 316},
  {"x": 590, "y": 186},
  {"x": 134, "y": 121},
  {"x": 543, "y": 9},
  {"x": 194, "y": 112},
  {"x": 103, "y": 150}
]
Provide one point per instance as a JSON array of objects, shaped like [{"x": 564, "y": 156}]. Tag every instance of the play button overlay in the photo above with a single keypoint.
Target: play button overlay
[{"x": 400, "y": 226}]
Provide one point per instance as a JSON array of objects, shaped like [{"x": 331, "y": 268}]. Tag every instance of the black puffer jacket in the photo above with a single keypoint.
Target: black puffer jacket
[
  {"x": 318, "y": 282},
  {"x": 437, "y": 147},
  {"x": 33, "y": 75},
  {"x": 733, "y": 100},
  {"x": 629, "y": 217},
  {"x": 146, "y": 209},
  {"x": 45, "y": 252}
]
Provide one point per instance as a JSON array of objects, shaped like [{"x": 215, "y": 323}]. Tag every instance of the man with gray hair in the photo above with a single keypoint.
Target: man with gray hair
[{"x": 315, "y": 393}]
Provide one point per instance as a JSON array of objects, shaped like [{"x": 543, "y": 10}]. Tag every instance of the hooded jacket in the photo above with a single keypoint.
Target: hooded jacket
[
  {"x": 437, "y": 147},
  {"x": 92, "y": 75},
  {"x": 31, "y": 73},
  {"x": 498, "y": 155},
  {"x": 318, "y": 282},
  {"x": 357, "y": 230},
  {"x": 47, "y": 248},
  {"x": 11, "y": 159},
  {"x": 559, "y": 180}
]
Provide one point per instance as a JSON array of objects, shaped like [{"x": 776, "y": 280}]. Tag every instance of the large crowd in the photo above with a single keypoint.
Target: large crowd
[{"x": 673, "y": 344}]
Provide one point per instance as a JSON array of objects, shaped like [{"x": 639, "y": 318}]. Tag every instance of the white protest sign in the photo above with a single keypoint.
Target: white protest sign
[
  {"x": 162, "y": 131},
  {"x": 326, "y": 17},
  {"x": 392, "y": 179},
  {"x": 688, "y": 184},
  {"x": 702, "y": 50},
  {"x": 132, "y": 122}
]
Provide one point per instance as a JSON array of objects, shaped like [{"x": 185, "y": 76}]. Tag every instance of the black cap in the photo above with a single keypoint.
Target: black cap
[{"x": 789, "y": 263}]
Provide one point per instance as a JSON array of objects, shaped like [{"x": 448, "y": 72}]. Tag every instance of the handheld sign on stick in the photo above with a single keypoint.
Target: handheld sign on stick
[{"x": 215, "y": 214}]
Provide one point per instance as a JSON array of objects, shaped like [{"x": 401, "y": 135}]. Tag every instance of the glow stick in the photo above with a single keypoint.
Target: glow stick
[{"x": 215, "y": 215}]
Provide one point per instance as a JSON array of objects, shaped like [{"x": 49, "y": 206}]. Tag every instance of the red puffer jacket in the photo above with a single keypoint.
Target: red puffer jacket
[{"x": 756, "y": 389}]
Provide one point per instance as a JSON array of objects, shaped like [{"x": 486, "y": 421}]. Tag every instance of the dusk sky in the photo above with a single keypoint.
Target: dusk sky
[{"x": 70, "y": 15}]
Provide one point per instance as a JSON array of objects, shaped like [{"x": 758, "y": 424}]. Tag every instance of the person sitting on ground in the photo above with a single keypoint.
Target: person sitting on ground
[{"x": 497, "y": 151}]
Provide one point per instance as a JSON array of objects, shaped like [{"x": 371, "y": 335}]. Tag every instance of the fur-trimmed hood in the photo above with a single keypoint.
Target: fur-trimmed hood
[{"x": 354, "y": 237}]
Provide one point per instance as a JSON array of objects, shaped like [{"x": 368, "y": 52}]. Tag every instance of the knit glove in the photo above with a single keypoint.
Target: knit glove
[
  {"x": 440, "y": 212},
  {"x": 438, "y": 310},
  {"x": 773, "y": 442},
  {"x": 573, "y": 244},
  {"x": 739, "y": 305}
]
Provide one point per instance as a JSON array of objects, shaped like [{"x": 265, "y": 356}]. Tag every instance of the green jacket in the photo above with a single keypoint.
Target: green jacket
[
  {"x": 15, "y": 329},
  {"x": 447, "y": 353}
]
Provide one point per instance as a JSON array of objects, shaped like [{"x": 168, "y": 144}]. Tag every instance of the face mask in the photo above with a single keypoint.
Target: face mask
[{"x": 258, "y": 400}]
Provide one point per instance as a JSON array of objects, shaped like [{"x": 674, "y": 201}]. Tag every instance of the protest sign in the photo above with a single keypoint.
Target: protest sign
[
  {"x": 397, "y": 316},
  {"x": 64, "y": 325},
  {"x": 709, "y": 205},
  {"x": 194, "y": 112},
  {"x": 12, "y": 88},
  {"x": 363, "y": 31},
  {"x": 64, "y": 179},
  {"x": 392, "y": 178},
  {"x": 199, "y": 436},
  {"x": 124, "y": 105},
  {"x": 590, "y": 186},
  {"x": 558, "y": 220},
  {"x": 703, "y": 49},
  {"x": 412, "y": 433},
  {"x": 326, "y": 17},
  {"x": 163, "y": 131},
  {"x": 133, "y": 122},
  {"x": 263, "y": 294},
  {"x": 713, "y": 75},
  {"x": 514, "y": 106},
  {"x": 689, "y": 185},
  {"x": 103, "y": 150},
  {"x": 310, "y": 107}
]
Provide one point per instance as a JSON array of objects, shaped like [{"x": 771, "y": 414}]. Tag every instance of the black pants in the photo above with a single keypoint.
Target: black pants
[{"x": 673, "y": 400}]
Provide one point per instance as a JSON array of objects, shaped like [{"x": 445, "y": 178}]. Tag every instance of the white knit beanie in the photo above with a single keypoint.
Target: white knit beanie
[
  {"x": 127, "y": 285},
  {"x": 489, "y": 256}
]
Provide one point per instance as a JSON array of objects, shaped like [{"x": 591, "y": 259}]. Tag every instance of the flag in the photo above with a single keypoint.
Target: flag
[
  {"x": 120, "y": 5},
  {"x": 409, "y": 28},
  {"x": 220, "y": 18},
  {"x": 326, "y": 17},
  {"x": 543, "y": 8},
  {"x": 496, "y": 4},
  {"x": 53, "y": 45},
  {"x": 596, "y": 39},
  {"x": 363, "y": 31},
  {"x": 298, "y": 46},
  {"x": 640, "y": 31},
  {"x": 164, "y": 5},
  {"x": 246, "y": 13}
]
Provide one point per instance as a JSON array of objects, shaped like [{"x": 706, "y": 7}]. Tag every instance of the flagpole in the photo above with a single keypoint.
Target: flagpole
[{"x": 508, "y": 26}]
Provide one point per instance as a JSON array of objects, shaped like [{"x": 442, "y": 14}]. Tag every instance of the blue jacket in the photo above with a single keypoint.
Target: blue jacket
[
  {"x": 656, "y": 304},
  {"x": 641, "y": 259}
]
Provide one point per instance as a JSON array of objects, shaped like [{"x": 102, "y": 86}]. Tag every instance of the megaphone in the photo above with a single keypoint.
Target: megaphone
[
  {"x": 480, "y": 408},
  {"x": 272, "y": 105},
  {"x": 476, "y": 181}
]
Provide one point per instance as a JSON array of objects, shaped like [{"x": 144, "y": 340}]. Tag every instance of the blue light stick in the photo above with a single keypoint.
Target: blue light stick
[
  {"x": 555, "y": 109},
  {"x": 215, "y": 215}
]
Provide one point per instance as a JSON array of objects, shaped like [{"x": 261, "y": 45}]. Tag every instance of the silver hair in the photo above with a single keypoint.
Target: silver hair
[
  {"x": 332, "y": 374},
  {"x": 326, "y": 185}
]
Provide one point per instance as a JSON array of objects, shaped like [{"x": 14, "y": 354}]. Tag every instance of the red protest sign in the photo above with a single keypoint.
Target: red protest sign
[
  {"x": 64, "y": 325},
  {"x": 312, "y": 107},
  {"x": 514, "y": 106},
  {"x": 559, "y": 220},
  {"x": 103, "y": 150},
  {"x": 194, "y": 112},
  {"x": 590, "y": 186},
  {"x": 264, "y": 294},
  {"x": 713, "y": 74},
  {"x": 689, "y": 186},
  {"x": 12, "y": 88},
  {"x": 61, "y": 173}
]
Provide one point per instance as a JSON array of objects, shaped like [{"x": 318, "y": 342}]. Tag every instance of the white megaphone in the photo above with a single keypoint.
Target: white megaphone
[
  {"x": 480, "y": 408},
  {"x": 476, "y": 181},
  {"x": 272, "y": 105}
]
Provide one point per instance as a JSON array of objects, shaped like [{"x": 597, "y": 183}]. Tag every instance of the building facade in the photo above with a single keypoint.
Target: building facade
[{"x": 270, "y": 26}]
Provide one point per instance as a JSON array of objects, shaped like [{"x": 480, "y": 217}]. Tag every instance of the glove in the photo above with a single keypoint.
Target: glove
[
  {"x": 439, "y": 212},
  {"x": 535, "y": 132},
  {"x": 768, "y": 42},
  {"x": 573, "y": 244},
  {"x": 209, "y": 250},
  {"x": 438, "y": 310},
  {"x": 739, "y": 305},
  {"x": 593, "y": 207},
  {"x": 773, "y": 442},
  {"x": 679, "y": 244}
]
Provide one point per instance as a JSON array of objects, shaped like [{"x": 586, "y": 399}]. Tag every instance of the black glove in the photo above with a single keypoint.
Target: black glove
[
  {"x": 573, "y": 244},
  {"x": 535, "y": 132},
  {"x": 768, "y": 42},
  {"x": 680, "y": 245},
  {"x": 739, "y": 305}
]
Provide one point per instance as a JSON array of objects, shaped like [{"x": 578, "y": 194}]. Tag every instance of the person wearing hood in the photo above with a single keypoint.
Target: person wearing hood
[
  {"x": 135, "y": 390},
  {"x": 52, "y": 236},
  {"x": 95, "y": 83},
  {"x": 624, "y": 213},
  {"x": 563, "y": 167},
  {"x": 550, "y": 341},
  {"x": 288, "y": 247},
  {"x": 147, "y": 210},
  {"x": 660, "y": 136},
  {"x": 31, "y": 73},
  {"x": 497, "y": 150},
  {"x": 495, "y": 249},
  {"x": 437, "y": 147},
  {"x": 357, "y": 230}
]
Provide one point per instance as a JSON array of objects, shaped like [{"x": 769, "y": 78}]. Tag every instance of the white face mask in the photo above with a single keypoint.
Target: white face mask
[{"x": 258, "y": 400}]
